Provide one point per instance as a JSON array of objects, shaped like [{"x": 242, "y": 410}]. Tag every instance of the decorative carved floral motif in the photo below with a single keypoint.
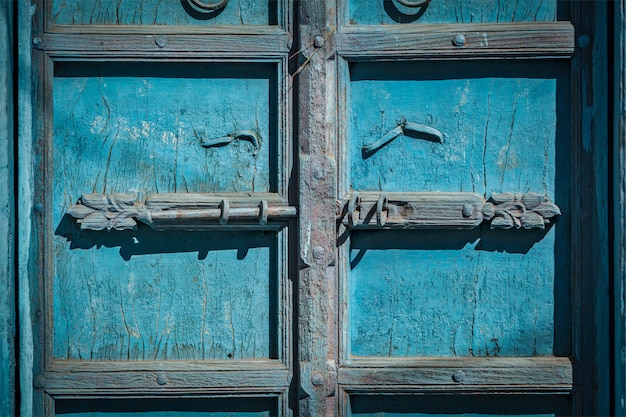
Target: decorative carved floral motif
[
  {"x": 99, "y": 212},
  {"x": 511, "y": 210}
]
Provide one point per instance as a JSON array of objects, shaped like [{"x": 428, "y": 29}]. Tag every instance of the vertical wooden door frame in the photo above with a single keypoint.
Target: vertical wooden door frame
[
  {"x": 619, "y": 206},
  {"x": 7, "y": 215}
]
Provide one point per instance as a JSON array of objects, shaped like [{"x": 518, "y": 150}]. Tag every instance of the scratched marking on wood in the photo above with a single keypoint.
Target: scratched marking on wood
[
  {"x": 501, "y": 124},
  {"x": 158, "y": 12},
  {"x": 138, "y": 296},
  {"x": 381, "y": 12},
  {"x": 159, "y": 115},
  {"x": 461, "y": 293}
]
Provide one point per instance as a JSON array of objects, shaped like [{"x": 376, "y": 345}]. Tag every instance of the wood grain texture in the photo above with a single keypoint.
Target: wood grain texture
[
  {"x": 619, "y": 207},
  {"x": 155, "y": 12},
  {"x": 192, "y": 296},
  {"x": 379, "y": 12},
  {"x": 590, "y": 239},
  {"x": 548, "y": 374},
  {"x": 501, "y": 123},
  {"x": 457, "y": 41},
  {"x": 317, "y": 330},
  {"x": 104, "y": 112},
  {"x": 102, "y": 42},
  {"x": 7, "y": 212}
]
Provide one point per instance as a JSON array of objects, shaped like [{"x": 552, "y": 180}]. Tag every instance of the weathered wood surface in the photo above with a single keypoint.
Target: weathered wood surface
[
  {"x": 165, "y": 381},
  {"x": 155, "y": 12},
  {"x": 317, "y": 328},
  {"x": 505, "y": 126},
  {"x": 104, "y": 112},
  {"x": 590, "y": 240},
  {"x": 447, "y": 211},
  {"x": 457, "y": 293},
  {"x": 99, "y": 41},
  {"x": 7, "y": 212},
  {"x": 619, "y": 207},
  {"x": 387, "y": 12},
  {"x": 545, "y": 375},
  {"x": 189, "y": 296},
  {"x": 457, "y": 41}
]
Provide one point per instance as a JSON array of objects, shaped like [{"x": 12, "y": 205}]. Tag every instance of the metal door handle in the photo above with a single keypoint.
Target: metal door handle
[
  {"x": 409, "y": 3},
  {"x": 404, "y": 128},
  {"x": 209, "y": 7}
]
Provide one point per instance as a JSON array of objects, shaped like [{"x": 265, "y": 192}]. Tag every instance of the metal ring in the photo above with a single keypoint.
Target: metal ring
[
  {"x": 209, "y": 7},
  {"x": 381, "y": 205},
  {"x": 353, "y": 204},
  {"x": 263, "y": 212},
  {"x": 418, "y": 3},
  {"x": 225, "y": 206}
]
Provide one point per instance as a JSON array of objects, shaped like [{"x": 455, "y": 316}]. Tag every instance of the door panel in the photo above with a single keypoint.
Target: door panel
[
  {"x": 433, "y": 293},
  {"x": 156, "y": 12},
  {"x": 166, "y": 116},
  {"x": 500, "y": 125},
  {"x": 196, "y": 296},
  {"x": 374, "y": 12}
]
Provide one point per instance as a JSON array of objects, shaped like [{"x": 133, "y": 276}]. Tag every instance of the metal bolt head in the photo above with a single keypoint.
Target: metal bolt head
[
  {"x": 318, "y": 173},
  {"x": 468, "y": 210},
  {"x": 160, "y": 41},
  {"x": 458, "y": 40},
  {"x": 317, "y": 379},
  {"x": 161, "y": 379},
  {"x": 318, "y": 42},
  {"x": 38, "y": 208},
  {"x": 458, "y": 376},
  {"x": 318, "y": 252}
]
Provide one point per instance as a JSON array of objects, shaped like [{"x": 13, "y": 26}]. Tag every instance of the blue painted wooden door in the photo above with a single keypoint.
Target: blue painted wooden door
[
  {"x": 162, "y": 196},
  {"x": 269, "y": 208}
]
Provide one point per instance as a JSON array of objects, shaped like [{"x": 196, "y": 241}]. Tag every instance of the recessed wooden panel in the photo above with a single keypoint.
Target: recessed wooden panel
[
  {"x": 161, "y": 114},
  {"x": 213, "y": 407},
  {"x": 157, "y": 12},
  {"x": 501, "y": 125},
  {"x": 469, "y": 406},
  {"x": 381, "y": 12},
  {"x": 147, "y": 295},
  {"x": 132, "y": 128},
  {"x": 458, "y": 293}
]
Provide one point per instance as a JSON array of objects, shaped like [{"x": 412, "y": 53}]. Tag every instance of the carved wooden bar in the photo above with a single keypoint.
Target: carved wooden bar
[
  {"x": 446, "y": 210},
  {"x": 172, "y": 211}
]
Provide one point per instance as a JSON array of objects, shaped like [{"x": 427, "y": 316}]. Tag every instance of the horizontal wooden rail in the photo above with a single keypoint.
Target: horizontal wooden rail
[{"x": 497, "y": 40}]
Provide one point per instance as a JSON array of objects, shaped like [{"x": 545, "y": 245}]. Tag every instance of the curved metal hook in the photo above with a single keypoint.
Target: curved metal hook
[
  {"x": 209, "y": 7},
  {"x": 410, "y": 129},
  {"x": 409, "y": 3},
  {"x": 246, "y": 135}
]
